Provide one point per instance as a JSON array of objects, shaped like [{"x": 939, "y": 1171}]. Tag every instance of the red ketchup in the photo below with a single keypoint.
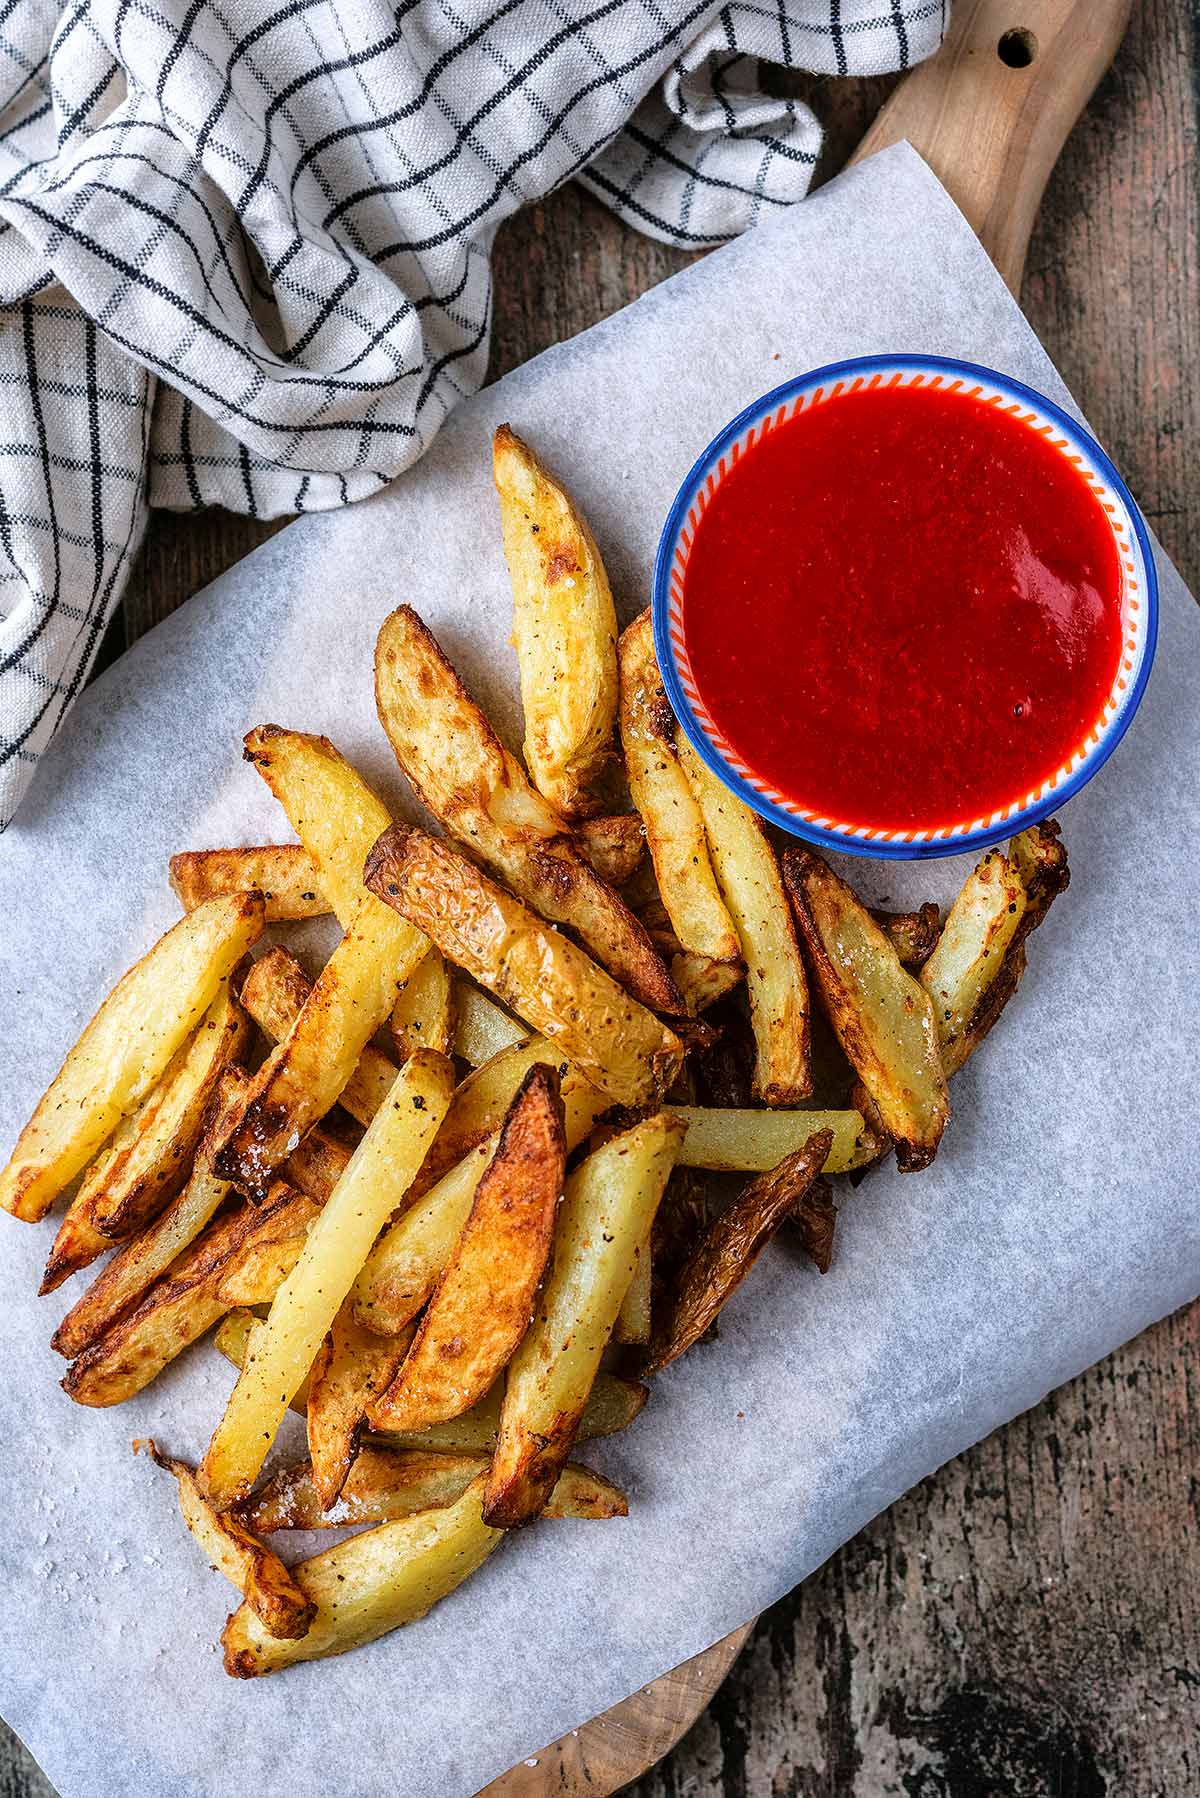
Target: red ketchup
[{"x": 902, "y": 608}]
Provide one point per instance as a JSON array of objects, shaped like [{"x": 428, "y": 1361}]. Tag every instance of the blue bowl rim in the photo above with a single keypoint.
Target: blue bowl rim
[{"x": 698, "y": 737}]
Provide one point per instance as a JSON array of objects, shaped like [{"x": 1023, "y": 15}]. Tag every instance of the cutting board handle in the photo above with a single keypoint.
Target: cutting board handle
[{"x": 991, "y": 111}]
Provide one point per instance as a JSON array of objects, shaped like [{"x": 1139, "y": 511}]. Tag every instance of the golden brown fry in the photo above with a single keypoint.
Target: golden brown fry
[
  {"x": 912, "y": 934},
  {"x": 619, "y": 1045},
  {"x": 564, "y": 629},
  {"x": 423, "y": 1015},
  {"x": 660, "y": 790},
  {"x": 255, "y": 1275},
  {"x": 284, "y": 873},
  {"x": 387, "y": 1483},
  {"x": 728, "y": 1249},
  {"x": 125, "y": 1049},
  {"x": 352, "y": 1368},
  {"x": 614, "y": 846},
  {"x": 882, "y": 1017},
  {"x": 403, "y": 1267},
  {"x": 979, "y": 928},
  {"x": 136, "y": 1266},
  {"x": 481, "y": 1029},
  {"x": 605, "y": 1221},
  {"x": 612, "y": 1405},
  {"x": 737, "y": 1141},
  {"x": 481, "y": 1305},
  {"x": 232, "y": 1338},
  {"x": 275, "y": 992},
  {"x": 177, "y": 1310},
  {"x": 463, "y": 775},
  {"x": 375, "y": 1582},
  {"x": 257, "y": 1572},
  {"x": 748, "y": 875}
]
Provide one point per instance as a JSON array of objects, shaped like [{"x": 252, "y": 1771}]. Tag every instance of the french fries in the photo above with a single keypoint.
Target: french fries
[
  {"x": 257, "y": 1572},
  {"x": 739, "y": 1141},
  {"x": 481, "y": 1029},
  {"x": 351, "y": 1369},
  {"x": 564, "y": 629},
  {"x": 882, "y": 1017},
  {"x": 379, "y": 1173},
  {"x": 979, "y": 928},
  {"x": 403, "y": 1267},
  {"x": 125, "y": 1049},
  {"x": 748, "y": 875},
  {"x": 604, "y": 1223},
  {"x": 274, "y": 993},
  {"x": 284, "y": 873},
  {"x": 615, "y": 846},
  {"x": 463, "y": 774},
  {"x": 423, "y": 1015},
  {"x": 729, "y": 1248},
  {"x": 255, "y": 1275},
  {"x": 481, "y": 1305},
  {"x": 388, "y": 1483},
  {"x": 372, "y": 1583},
  {"x": 619, "y": 1045},
  {"x": 674, "y": 824}
]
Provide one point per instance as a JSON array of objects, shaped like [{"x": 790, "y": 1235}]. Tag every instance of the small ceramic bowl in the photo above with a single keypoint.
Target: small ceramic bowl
[{"x": 1139, "y": 604}]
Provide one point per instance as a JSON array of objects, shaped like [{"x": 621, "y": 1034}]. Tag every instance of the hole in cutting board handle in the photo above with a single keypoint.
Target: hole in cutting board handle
[{"x": 1017, "y": 48}]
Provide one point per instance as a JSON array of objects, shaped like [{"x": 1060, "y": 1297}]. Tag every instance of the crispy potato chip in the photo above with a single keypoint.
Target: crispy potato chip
[
  {"x": 380, "y": 1171},
  {"x": 660, "y": 790},
  {"x": 728, "y": 1249},
  {"x": 388, "y": 1483},
  {"x": 284, "y": 873},
  {"x": 463, "y": 774},
  {"x": 882, "y": 1017},
  {"x": 482, "y": 1303},
  {"x": 564, "y": 629},
  {"x": 126, "y": 1048},
  {"x": 604, "y": 1222},
  {"x": 619, "y": 1045},
  {"x": 257, "y": 1572},
  {"x": 748, "y": 875},
  {"x": 372, "y": 1583}
]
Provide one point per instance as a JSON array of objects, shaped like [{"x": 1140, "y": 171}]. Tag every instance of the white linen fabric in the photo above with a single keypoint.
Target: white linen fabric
[{"x": 244, "y": 247}]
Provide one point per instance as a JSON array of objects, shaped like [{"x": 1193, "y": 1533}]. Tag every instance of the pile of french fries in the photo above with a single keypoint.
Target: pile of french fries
[{"x": 444, "y": 1200}]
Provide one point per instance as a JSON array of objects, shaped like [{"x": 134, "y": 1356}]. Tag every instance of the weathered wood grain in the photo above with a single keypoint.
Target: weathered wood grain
[{"x": 1026, "y": 1623}]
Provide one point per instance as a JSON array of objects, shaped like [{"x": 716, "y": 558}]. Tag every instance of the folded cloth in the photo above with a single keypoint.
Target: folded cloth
[{"x": 244, "y": 246}]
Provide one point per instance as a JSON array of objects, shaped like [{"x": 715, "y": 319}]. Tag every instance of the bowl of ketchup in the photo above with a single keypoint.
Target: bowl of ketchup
[{"x": 904, "y": 606}]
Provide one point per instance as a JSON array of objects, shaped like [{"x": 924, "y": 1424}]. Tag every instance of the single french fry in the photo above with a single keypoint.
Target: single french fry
[
  {"x": 728, "y": 1249},
  {"x": 423, "y": 1015},
  {"x": 468, "y": 780},
  {"x": 564, "y": 629},
  {"x": 604, "y": 1222},
  {"x": 481, "y": 1305},
  {"x": 386, "y": 1483},
  {"x": 352, "y": 1368},
  {"x": 660, "y": 790},
  {"x": 374, "y": 1183},
  {"x": 747, "y": 1142},
  {"x": 259, "y": 1575},
  {"x": 881, "y": 1015},
  {"x": 403, "y": 1267},
  {"x": 615, "y": 846},
  {"x": 612, "y": 1405},
  {"x": 749, "y": 878},
  {"x": 137, "y": 1265},
  {"x": 620, "y": 1046},
  {"x": 275, "y": 992},
  {"x": 481, "y": 1029},
  {"x": 126, "y": 1048},
  {"x": 372, "y": 1583},
  {"x": 284, "y": 873},
  {"x": 979, "y": 928}
]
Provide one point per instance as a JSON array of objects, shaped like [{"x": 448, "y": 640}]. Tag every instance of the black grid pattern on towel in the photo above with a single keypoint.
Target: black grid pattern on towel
[{"x": 244, "y": 244}]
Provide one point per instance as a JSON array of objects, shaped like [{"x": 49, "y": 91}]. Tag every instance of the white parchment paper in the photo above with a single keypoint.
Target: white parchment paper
[{"x": 1058, "y": 1220}]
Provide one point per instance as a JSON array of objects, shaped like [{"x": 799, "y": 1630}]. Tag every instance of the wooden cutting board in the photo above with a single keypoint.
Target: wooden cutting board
[{"x": 990, "y": 114}]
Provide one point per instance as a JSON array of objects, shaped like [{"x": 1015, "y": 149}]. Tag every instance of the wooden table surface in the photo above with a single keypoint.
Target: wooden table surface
[{"x": 1027, "y": 1621}]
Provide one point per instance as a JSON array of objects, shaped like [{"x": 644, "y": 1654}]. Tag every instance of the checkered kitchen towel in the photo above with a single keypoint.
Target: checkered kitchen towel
[{"x": 244, "y": 245}]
